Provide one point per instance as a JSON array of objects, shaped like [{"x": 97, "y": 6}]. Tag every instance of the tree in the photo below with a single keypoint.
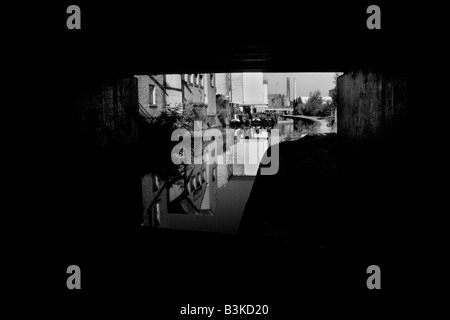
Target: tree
[
  {"x": 298, "y": 109},
  {"x": 325, "y": 110},
  {"x": 333, "y": 106},
  {"x": 298, "y": 106},
  {"x": 314, "y": 104}
]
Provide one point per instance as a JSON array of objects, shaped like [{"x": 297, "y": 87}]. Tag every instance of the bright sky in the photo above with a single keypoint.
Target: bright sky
[{"x": 306, "y": 82}]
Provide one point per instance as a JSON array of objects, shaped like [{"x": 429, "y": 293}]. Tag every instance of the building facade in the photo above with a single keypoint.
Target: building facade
[
  {"x": 253, "y": 92},
  {"x": 159, "y": 91},
  {"x": 201, "y": 88},
  {"x": 151, "y": 95},
  {"x": 249, "y": 92}
]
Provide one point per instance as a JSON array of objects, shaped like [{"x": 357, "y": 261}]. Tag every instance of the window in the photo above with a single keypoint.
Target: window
[
  {"x": 200, "y": 82},
  {"x": 214, "y": 174},
  {"x": 204, "y": 175},
  {"x": 194, "y": 182},
  {"x": 193, "y": 78},
  {"x": 151, "y": 94},
  {"x": 187, "y": 77},
  {"x": 211, "y": 82}
]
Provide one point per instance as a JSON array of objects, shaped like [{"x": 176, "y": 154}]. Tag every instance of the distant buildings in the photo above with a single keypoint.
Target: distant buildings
[
  {"x": 280, "y": 101},
  {"x": 276, "y": 100},
  {"x": 285, "y": 102}
]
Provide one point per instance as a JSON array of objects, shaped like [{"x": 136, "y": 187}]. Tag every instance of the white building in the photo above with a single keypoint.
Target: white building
[
  {"x": 265, "y": 93},
  {"x": 254, "y": 91}
]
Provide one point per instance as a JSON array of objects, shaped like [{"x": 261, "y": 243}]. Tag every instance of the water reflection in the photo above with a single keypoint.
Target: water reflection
[{"x": 212, "y": 198}]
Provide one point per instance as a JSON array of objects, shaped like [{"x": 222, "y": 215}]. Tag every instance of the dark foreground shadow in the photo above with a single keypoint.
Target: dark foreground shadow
[{"x": 297, "y": 205}]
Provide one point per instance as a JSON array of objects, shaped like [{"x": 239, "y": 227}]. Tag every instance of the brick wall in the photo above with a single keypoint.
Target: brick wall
[
  {"x": 105, "y": 113},
  {"x": 144, "y": 82}
]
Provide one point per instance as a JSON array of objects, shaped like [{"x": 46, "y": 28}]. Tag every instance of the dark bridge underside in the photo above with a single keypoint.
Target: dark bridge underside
[
  {"x": 81, "y": 203},
  {"x": 127, "y": 39},
  {"x": 184, "y": 38}
]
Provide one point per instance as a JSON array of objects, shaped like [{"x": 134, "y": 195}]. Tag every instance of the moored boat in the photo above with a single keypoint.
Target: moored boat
[
  {"x": 256, "y": 121},
  {"x": 235, "y": 122},
  {"x": 268, "y": 122}
]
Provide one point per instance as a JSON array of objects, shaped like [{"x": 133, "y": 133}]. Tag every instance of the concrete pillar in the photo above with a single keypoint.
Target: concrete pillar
[
  {"x": 372, "y": 106},
  {"x": 376, "y": 148}
]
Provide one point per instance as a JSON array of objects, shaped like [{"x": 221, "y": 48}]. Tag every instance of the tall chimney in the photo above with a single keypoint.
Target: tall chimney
[
  {"x": 295, "y": 88},
  {"x": 288, "y": 89}
]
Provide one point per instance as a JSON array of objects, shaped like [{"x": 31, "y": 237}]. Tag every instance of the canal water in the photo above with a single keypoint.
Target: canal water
[{"x": 234, "y": 181}]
